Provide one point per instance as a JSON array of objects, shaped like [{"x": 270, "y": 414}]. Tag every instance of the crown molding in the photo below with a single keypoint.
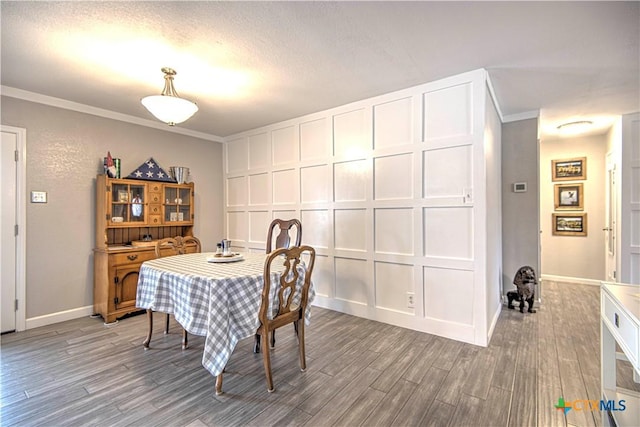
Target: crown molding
[{"x": 88, "y": 109}]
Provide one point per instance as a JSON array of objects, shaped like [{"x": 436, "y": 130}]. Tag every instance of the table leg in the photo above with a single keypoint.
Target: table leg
[
  {"x": 150, "y": 317},
  {"x": 185, "y": 339},
  {"x": 219, "y": 384}
]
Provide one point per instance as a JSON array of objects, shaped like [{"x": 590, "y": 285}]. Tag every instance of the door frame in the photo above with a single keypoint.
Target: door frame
[
  {"x": 21, "y": 219},
  {"x": 611, "y": 218}
]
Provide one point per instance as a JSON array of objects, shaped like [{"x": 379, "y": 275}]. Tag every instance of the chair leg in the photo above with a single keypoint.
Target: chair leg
[
  {"x": 150, "y": 318},
  {"x": 303, "y": 360},
  {"x": 256, "y": 344},
  {"x": 219, "y": 384},
  {"x": 185, "y": 339},
  {"x": 166, "y": 324},
  {"x": 273, "y": 339},
  {"x": 266, "y": 358}
]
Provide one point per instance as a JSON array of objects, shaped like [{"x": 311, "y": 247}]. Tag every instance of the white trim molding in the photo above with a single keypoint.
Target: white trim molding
[
  {"x": 567, "y": 279},
  {"x": 88, "y": 109},
  {"x": 62, "y": 316}
]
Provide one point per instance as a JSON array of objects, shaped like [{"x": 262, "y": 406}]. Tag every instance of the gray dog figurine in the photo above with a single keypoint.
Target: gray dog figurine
[{"x": 525, "y": 280}]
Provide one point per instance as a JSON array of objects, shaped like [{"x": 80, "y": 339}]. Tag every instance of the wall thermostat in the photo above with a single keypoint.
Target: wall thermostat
[{"x": 519, "y": 187}]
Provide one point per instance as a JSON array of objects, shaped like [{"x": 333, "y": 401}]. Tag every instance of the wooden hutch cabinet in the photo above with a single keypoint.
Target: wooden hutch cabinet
[{"x": 130, "y": 216}]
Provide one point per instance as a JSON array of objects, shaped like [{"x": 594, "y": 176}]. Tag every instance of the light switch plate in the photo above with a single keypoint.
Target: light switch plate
[{"x": 38, "y": 197}]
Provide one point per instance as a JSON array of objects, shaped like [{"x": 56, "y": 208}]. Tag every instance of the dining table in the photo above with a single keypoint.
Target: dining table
[{"x": 217, "y": 300}]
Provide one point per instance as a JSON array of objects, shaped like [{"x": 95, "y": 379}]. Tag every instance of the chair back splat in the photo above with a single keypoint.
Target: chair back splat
[{"x": 283, "y": 239}]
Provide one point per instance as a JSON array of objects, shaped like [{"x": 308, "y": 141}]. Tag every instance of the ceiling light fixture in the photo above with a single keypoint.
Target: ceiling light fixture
[
  {"x": 169, "y": 107},
  {"x": 575, "y": 127}
]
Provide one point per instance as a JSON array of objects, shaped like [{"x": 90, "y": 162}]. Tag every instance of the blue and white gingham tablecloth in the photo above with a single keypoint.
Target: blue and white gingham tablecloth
[{"x": 219, "y": 301}]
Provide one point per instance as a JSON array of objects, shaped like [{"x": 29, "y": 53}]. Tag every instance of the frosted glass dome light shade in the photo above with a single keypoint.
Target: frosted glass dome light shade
[{"x": 169, "y": 107}]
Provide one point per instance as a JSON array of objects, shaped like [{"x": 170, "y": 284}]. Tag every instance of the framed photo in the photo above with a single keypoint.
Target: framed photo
[
  {"x": 123, "y": 196},
  {"x": 569, "y": 224},
  {"x": 569, "y": 169},
  {"x": 569, "y": 197}
]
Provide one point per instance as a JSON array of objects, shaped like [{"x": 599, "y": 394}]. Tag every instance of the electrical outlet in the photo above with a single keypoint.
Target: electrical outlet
[{"x": 411, "y": 300}]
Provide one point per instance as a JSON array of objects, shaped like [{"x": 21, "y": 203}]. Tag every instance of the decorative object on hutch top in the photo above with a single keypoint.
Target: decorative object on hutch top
[
  {"x": 169, "y": 107},
  {"x": 131, "y": 214},
  {"x": 150, "y": 170},
  {"x": 569, "y": 169}
]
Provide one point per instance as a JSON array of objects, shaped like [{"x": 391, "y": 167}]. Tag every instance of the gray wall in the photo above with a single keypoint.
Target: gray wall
[
  {"x": 64, "y": 155},
  {"x": 520, "y": 212}
]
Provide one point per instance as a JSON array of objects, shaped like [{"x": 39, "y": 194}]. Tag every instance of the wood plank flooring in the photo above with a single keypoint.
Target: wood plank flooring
[{"x": 359, "y": 372}]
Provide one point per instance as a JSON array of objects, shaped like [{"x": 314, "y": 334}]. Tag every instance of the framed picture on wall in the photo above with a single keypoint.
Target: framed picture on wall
[
  {"x": 569, "y": 169},
  {"x": 569, "y": 224},
  {"x": 569, "y": 197}
]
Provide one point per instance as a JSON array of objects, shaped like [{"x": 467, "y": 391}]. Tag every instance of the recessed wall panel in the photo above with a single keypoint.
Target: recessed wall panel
[
  {"x": 259, "y": 151},
  {"x": 314, "y": 184},
  {"x": 448, "y": 232},
  {"x": 635, "y": 228},
  {"x": 349, "y": 135},
  {"x": 350, "y": 229},
  {"x": 394, "y": 231},
  {"x": 285, "y": 145},
  {"x": 237, "y": 155},
  {"x": 314, "y": 141},
  {"x": 635, "y": 188},
  {"x": 285, "y": 186},
  {"x": 237, "y": 191},
  {"x": 352, "y": 280},
  {"x": 236, "y": 226},
  {"x": 447, "y": 112},
  {"x": 322, "y": 276},
  {"x": 392, "y": 123},
  {"x": 447, "y": 172},
  {"x": 317, "y": 228},
  {"x": 259, "y": 189},
  {"x": 393, "y": 177},
  {"x": 447, "y": 295},
  {"x": 393, "y": 281},
  {"x": 350, "y": 181},
  {"x": 258, "y": 226}
]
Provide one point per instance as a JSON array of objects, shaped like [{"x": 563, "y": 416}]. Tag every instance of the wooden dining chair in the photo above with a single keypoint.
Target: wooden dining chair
[
  {"x": 167, "y": 247},
  {"x": 283, "y": 240},
  {"x": 286, "y": 303}
]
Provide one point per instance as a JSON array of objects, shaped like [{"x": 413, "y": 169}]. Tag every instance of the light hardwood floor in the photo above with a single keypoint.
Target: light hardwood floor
[{"x": 359, "y": 372}]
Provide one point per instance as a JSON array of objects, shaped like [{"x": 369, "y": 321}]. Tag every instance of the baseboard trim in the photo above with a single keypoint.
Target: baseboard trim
[
  {"x": 567, "y": 279},
  {"x": 50, "y": 319}
]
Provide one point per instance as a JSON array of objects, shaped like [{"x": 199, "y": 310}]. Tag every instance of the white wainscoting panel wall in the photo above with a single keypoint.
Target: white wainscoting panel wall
[{"x": 392, "y": 193}]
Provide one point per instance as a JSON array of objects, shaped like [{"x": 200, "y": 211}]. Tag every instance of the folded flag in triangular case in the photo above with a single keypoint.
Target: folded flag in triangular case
[{"x": 150, "y": 170}]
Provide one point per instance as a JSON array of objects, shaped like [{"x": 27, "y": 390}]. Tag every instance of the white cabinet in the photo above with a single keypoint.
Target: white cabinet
[{"x": 620, "y": 324}]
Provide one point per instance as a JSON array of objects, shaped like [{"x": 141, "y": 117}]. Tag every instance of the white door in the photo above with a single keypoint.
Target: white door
[
  {"x": 8, "y": 222},
  {"x": 610, "y": 218}
]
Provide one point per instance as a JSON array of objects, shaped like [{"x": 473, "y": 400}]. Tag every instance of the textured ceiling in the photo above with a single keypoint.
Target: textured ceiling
[{"x": 249, "y": 64}]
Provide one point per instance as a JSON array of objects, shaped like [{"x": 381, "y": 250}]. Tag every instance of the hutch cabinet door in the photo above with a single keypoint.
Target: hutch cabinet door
[
  {"x": 127, "y": 203},
  {"x": 125, "y": 280},
  {"x": 178, "y": 204}
]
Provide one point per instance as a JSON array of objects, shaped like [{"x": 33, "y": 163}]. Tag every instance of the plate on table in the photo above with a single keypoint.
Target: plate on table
[{"x": 234, "y": 256}]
